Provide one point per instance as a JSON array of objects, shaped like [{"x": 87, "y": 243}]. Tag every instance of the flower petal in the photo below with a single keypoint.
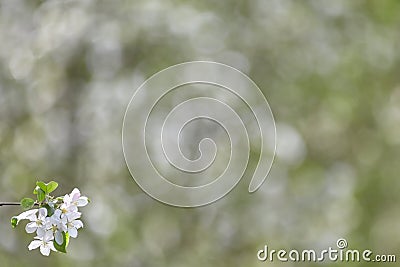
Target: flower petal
[
  {"x": 73, "y": 216},
  {"x": 77, "y": 224},
  {"x": 72, "y": 232},
  {"x": 51, "y": 245},
  {"x": 42, "y": 212},
  {"x": 40, "y": 232},
  {"x": 59, "y": 237},
  {"x": 73, "y": 208},
  {"x": 31, "y": 227},
  {"x": 67, "y": 199},
  {"x": 34, "y": 244},
  {"x": 45, "y": 250},
  {"x": 26, "y": 214},
  {"x": 48, "y": 222},
  {"x": 57, "y": 214},
  {"x": 48, "y": 236},
  {"x": 62, "y": 225},
  {"x": 82, "y": 201},
  {"x": 75, "y": 194}
]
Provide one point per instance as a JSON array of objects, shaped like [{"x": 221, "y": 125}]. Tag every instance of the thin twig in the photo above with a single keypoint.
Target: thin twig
[
  {"x": 13, "y": 204},
  {"x": 9, "y": 204}
]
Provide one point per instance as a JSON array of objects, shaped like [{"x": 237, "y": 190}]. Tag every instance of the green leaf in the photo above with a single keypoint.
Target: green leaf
[
  {"x": 41, "y": 195},
  {"x": 14, "y": 222},
  {"x": 35, "y": 191},
  {"x": 42, "y": 186},
  {"x": 51, "y": 186},
  {"x": 50, "y": 210},
  {"x": 64, "y": 245},
  {"x": 27, "y": 203}
]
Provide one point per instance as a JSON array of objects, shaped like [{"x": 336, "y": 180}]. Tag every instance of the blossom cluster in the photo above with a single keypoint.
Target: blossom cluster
[{"x": 54, "y": 221}]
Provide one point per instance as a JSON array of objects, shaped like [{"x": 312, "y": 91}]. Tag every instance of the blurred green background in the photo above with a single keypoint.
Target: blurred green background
[{"x": 329, "y": 69}]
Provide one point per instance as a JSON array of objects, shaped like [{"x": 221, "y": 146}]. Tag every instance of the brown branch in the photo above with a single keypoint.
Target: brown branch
[
  {"x": 13, "y": 204},
  {"x": 9, "y": 204}
]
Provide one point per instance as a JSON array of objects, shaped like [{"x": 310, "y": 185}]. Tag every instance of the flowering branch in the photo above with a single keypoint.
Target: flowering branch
[{"x": 55, "y": 220}]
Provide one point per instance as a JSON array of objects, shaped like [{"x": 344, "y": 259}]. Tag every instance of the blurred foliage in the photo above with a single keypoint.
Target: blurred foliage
[{"x": 329, "y": 69}]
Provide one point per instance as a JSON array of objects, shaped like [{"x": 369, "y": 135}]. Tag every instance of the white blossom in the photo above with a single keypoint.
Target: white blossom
[
  {"x": 72, "y": 224},
  {"x": 73, "y": 201},
  {"x": 38, "y": 223},
  {"x": 26, "y": 215},
  {"x": 57, "y": 225},
  {"x": 45, "y": 243}
]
